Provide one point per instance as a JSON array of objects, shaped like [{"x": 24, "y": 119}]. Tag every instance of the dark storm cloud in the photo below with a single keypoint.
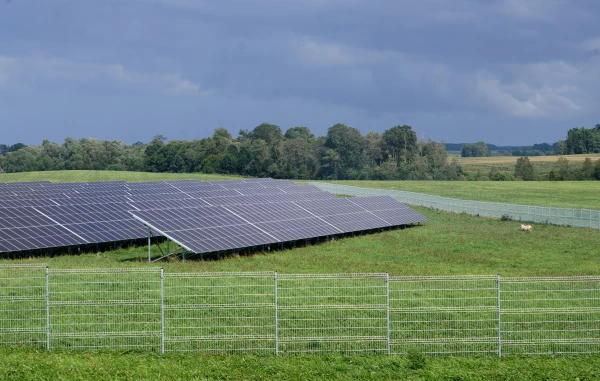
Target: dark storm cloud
[{"x": 456, "y": 70}]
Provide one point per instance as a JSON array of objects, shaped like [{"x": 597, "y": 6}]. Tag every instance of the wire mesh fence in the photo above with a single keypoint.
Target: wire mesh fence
[
  {"x": 551, "y": 315},
  {"x": 104, "y": 309},
  {"x": 220, "y": 313},
  {"x": 341, "y": 313},
  {"x": 286, "y": 314},
  {"x": 23, "y": 306},
  {"x": 538, "y": 214},
  {"x": 445, "y": 315}
]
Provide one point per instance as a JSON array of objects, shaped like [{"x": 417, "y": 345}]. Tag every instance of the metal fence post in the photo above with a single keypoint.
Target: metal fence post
[
  {"x": 276, "y": 315},
  {"x": 162, "y": 311},
  {"x": 47, "y": 308},
  {"x": 387, "y": 303},
  {"x": 499, "y": 320}
]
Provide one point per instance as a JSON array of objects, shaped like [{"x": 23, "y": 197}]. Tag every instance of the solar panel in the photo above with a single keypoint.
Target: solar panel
[
  {"x": 206, "y": 229},
  {"x": 238, "y": 184},
  {"x": 201, "y": 216},
  {"x": 237, "y": 222},
  {"x": 97, "y": 223},
  {"x": 285, "y": 221},
  {"x": 257, "y": 199},
  {"x": 27, "y": 229},
  {"x": 25, "y": 203},
  {"x": 390, "y": 210},
  {"x": 301, "y": 189},
  {"x": 253, "y": 191},
  {"x": 88, "y": 200},
  {"x": 168, "y": 204}
]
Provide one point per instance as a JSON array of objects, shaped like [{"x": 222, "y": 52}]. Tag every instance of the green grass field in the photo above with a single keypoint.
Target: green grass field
[
  {"x": 562, "y": 194},
  {"x": 449, "y": 244},
  {"x": 22, "y": 365}
]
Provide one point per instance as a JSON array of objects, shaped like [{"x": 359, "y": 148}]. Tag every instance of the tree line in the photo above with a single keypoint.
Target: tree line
[
  {"x": 579, "y": 141},
  {"x": 265, "y": 151}
]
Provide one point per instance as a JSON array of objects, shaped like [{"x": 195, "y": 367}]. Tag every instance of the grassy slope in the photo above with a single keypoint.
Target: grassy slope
[{"x": 75, "y": 176}]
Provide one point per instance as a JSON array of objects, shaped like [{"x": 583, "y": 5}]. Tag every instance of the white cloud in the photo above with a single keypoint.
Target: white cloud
[
  {"x": 591, "y": 45},
  {"x": 30, "y": 73},
  {"x": 520, "y": 99}
]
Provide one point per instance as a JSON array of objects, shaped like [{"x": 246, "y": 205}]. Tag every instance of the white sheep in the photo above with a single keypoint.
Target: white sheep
[{"x": 526, "y": 228}]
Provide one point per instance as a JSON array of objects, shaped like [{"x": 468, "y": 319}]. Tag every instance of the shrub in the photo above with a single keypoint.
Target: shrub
[
  {"x": 416, "y": 359},
  {"x": 505, "y": 217}
]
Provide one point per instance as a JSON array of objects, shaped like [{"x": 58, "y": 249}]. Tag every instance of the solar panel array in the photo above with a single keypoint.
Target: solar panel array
[{"x": 200, "y": 216}]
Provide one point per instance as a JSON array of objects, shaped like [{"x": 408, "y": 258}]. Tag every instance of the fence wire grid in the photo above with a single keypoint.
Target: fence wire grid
[
  {"x": 585, "y": 218},
  {"x": 267, "y": 313}
]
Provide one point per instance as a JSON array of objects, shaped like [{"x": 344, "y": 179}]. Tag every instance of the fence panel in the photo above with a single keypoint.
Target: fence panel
[
  {"x": 548, "y": 215},
  {"x": 220, "y": 313},
  {"x": 269, "y": 313},
  {"x": 23, "y": 313},
  {"x": 444, "y": 315},
  {"x": 551, "y": 315},
  {"x": 343, "y": 313},
  {"x": 105, "y": 309}
]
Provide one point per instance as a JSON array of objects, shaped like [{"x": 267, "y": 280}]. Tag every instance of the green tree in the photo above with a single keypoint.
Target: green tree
[
  {"x": 399, "y": 144},
  {"x": 479, "y": 149},
  {"x": 563, "y": 169},
  {"x": 373, "y": 149},
  {"x": 524, "y": 169},
  {"x": 298, "y": 159},
  {"x": 596, "y": 173},
  {"x": 299, "y": 132},
  {"x": 588, "y": 169},
  {"x": 349, "y": 145},
  {"x": 270, "y": 133}
]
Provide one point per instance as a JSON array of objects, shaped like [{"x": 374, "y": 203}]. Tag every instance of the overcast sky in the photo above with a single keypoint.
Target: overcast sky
[{"x": 505, "y": 72}]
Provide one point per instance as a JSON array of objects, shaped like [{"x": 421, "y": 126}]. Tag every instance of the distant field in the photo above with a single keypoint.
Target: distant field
[
  {"x": 534, "y": 159},
  {"x": 542, "y": 165}
]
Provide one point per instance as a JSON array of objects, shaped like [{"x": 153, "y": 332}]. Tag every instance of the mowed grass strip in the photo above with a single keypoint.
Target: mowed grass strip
[
  {"x": 27, "y": 365},
  {"x": 448, "y": 244}
]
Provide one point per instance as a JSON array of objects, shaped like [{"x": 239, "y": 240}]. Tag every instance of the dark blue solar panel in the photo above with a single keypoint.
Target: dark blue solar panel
[{"x": 206, "y": 216}]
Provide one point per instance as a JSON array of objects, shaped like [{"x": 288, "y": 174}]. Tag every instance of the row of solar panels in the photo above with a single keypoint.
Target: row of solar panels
[
  {"x": 54, "y": 194},
  {"x": 288, "y": 214}
]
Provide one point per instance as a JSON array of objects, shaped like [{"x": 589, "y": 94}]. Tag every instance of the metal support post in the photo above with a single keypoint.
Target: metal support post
[
  {"x": 499, "y": 321},
  {"x": 387, "y": 312},
  {"x": 162, "y": 311},
  {"x": 149, "y": 245},
  {"x": 47, "y": 308},
  {"x": 276, "y": 316}
]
